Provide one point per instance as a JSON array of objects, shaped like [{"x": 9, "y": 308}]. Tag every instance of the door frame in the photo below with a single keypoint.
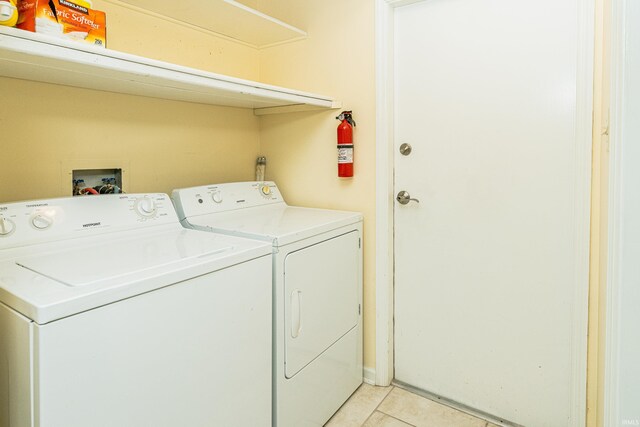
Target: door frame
[
  {"x": 384, "y": 18},
  {"x": 615, "y": 212}
]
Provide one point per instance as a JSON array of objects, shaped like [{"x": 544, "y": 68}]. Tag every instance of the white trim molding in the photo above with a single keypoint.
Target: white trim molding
[
  {"x": 384, "y": 191},
  {"x": 582, "y": 209},
  {"x": 369, "y": 376}
]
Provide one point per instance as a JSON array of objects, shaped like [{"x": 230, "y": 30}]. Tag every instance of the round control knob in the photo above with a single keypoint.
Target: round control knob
[
  {"x": 6, "y": 226},
  {"x": 217, "y": 197},
  {"x": 266, "y": 190},
  {"x": 146, "y": 207},
  {"x": 41, "y": 222}
]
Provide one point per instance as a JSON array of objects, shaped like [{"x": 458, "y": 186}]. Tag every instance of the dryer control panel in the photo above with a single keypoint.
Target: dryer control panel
[
  {"x": 217, "y": 198},
  {"x": 25, "y": 223}
]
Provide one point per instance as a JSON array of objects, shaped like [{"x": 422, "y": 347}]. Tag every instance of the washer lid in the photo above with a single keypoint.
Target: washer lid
[
  {"x": 54, "y": 280},
  {"x": 84, "y": 266},
  {"x": 278, "y": 223}
]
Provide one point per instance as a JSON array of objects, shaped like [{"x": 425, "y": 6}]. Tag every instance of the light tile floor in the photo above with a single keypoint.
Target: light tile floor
[{"x": 392, "y": 406}]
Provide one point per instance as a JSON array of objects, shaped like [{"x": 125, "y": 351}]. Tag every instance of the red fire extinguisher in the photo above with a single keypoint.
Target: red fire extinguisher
[{"x": 345, "y": 144}]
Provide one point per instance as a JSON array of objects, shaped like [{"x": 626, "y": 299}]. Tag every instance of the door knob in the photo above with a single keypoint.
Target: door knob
[{"x": 404, "y": 197}]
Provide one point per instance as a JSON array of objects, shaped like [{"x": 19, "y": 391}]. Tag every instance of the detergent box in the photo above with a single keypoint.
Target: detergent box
[
  {"x": 8, "y": 13},
  {"x": 65, "y": 19}
]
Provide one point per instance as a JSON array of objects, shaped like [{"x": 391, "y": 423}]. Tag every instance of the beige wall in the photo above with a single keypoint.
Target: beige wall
[
  {"x": 338, "y": 60},
  {"x": 143, "y": 33},
  {"x": 161, "y": 144}
]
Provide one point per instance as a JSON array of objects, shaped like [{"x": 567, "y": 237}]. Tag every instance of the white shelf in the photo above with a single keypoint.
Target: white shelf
[
  {"x": 30, "y": 56},
  {"x": 227, "y": 17}
]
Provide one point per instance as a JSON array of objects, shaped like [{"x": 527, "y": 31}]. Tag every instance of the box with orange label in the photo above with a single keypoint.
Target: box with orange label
[{"x": 62, "y": 18}]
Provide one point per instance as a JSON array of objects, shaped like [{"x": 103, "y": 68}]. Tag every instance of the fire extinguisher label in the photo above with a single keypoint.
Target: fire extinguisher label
[{"x": 345, "y": 153}]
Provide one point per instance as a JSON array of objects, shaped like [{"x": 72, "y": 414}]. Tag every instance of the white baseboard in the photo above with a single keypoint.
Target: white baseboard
[{"x": 369, "y": 376}]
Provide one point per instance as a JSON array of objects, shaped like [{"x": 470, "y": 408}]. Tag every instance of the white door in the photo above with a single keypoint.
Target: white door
[
  {"x": 622, "y": 388},
  {"x": 490, "y": 271}
]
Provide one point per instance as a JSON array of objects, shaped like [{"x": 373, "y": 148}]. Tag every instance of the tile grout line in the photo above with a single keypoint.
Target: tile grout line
[
  {"x": 481, "y": 416},
  {"x": 384, "y": 413},
  {"x": 378, "y": 405},
  {"x": 384, "y": 398},
  {"x": 389, "y": 415},
  {"x": 368, "y": 418},
  {"x": 402, "y": 421},
  {"x": 486, "y": 423}
]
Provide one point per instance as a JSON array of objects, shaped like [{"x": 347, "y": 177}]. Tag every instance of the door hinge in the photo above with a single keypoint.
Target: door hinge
[
  {"x": 359, "y": 310},
  {"x": 359, "y": 242}
]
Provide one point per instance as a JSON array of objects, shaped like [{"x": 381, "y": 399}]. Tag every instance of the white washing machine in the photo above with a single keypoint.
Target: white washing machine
[
  {"x": 112, "y": 314},
  {"x": 317, "y": 291}
]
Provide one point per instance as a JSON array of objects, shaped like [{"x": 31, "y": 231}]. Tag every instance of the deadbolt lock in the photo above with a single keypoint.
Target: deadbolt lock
[{"x": 405, "y": 149}]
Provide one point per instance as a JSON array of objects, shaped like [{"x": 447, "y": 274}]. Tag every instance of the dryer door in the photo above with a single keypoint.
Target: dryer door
[{"x": 321, "y": 298}]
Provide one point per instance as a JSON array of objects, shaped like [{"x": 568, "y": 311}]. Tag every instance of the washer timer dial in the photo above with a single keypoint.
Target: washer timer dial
[
  {"x": 6, "y": 226},
  {"x": 41, "y": 222},
  {"x": 217, "y": 196},
  {"x": 265, "y": 190},
  {"x": 145, "y": 207}
]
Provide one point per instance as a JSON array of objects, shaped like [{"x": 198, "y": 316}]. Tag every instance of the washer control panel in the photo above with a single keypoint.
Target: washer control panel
[
  {"x": 7, "y": 226},
  {"x": 24, "y": 223},
  {"x": 265, "y": 190},
  {"x": 225, "y": 197},
  {"x": 41, "y": 221},
  {"x": 216, "y": 196},
  {"x": 145, "y": 206}
]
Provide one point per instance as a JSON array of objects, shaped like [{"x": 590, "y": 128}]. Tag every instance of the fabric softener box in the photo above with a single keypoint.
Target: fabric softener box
[{"x": 62, "y": 18}]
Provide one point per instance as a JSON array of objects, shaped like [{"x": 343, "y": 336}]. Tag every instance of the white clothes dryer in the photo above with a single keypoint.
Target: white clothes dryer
[
  {"x": 113, "y": 314},
  {"x": 317, "y": 291}
]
